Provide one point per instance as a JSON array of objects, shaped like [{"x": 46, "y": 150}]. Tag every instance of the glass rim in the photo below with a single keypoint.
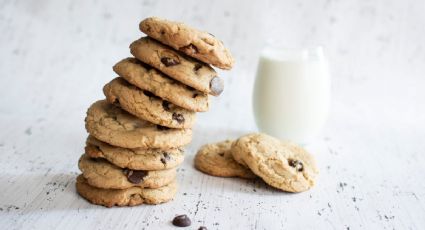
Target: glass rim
[{"x": 282, "y": 52}]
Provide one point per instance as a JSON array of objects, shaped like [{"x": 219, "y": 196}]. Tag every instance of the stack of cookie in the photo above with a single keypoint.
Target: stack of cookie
[
  {"x": 137, "y": 135},
  {"x": 281, "y": 164}
]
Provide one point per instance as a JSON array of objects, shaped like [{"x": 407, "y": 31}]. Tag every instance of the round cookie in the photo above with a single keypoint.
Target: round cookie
[
  {"x": 117, "y": 127},
  {"x": 216, "y": 160},
  {"x": 182, "y": 68},
  {"x": 150, "y": 79},
  {"x": 282, "y": 165},
  {"x": 102, "y": 174},
  {"x": 145, "y": 105},
  {"x": 138, "y": 159},
  {"x": 198, "y": 44},
  {"x": 125, "y": 197}
]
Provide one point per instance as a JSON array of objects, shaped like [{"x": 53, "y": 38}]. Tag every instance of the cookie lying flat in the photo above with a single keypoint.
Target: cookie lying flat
[
  {"x": 198, "y": 44},
  {"x": 280, "y": 164},
  {"x": 216, "y": 160},
  {"x": 117, "y": 127},
  {"x": 145, "y": 105},
  {"x": 187, "y": 70},
  {"x": 102, "y": 174},
  {"x": 148, "y": 78},
  {"x": 138, "y": 159},
  {"x": 125, "y": 197}
]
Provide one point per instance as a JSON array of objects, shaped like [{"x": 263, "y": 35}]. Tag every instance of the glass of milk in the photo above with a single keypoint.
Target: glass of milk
[{"x": 291, "y": 93}]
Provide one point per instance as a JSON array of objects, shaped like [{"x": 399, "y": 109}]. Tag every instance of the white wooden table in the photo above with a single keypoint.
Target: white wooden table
[{"x": 55, "y": 57}]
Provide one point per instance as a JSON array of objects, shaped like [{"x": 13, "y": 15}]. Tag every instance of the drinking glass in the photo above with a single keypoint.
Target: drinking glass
[{"x": 291, "y": 92}]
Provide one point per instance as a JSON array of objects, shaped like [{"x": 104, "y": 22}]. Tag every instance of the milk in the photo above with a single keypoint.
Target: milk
[{"x": 291, "y": 93}]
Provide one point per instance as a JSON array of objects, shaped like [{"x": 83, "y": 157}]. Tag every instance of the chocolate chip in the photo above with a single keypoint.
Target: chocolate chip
[
  {"x": 221, "y": 154},
  {"x": 166, "y": 105},
  {"x": 216, "y": 86},
  {"x": 197, "y": 67},
  {"x": 202, "y": 228},
  {"x": 165, "y": 157},
  {"x": 181, "y": 221},
  {"x": 298, "y": 165},
  {"x": 135, "y": 176},
  {"x": 191, "y": 48},
  {"x": 178, "y": 117},
  {"x": 160, "y": 127},
  {"x": 169, "y": 61}
]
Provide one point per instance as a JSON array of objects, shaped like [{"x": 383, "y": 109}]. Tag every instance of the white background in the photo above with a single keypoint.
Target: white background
[{"x": 55, "y": 57}]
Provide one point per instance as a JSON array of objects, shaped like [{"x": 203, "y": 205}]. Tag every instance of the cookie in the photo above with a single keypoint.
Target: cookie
[
  {"x": 185, "y": 69},
  {"x": 138, "y": 159},
  {"x": 102, "y": 174},
  {"x": 125, "y": 197},
  {"x": 117, "y": 127},
  {"x": 198, "y": 44},
  {"x": 217, "y": 160},
  {"x": 283, "y": 165},
  {"x": 145, "y": 105},
  {"x": 150, "y": 79}
]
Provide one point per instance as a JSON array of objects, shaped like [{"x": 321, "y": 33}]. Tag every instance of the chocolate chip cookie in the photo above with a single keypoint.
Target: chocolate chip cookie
[
  {"x": 102, "y": 174},
  {"x": 216, "y": 160},
  {"x": 283, "y": 165},
  {"x": 150, "y": 79},
  {"x": 185, "y": 69},
  {"x": 198, "y": 44},
  {"x": 125, "y": 197},
  {"x": 138, "y": 159},
  {"x": 117, "y": 127},
  {"x": 145, "y": 105}
]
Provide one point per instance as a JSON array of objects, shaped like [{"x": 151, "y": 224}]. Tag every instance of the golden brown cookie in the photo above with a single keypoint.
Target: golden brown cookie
[
  {"x": 125, "y": 197},
  {"x": 198, "y": 44},
  {"x": 145, "y": 105},
  {"x": 282, "y": 165},
  {"x": 217, "y": 160},
  {"x": 117, "y": 127},
  {"x": 150, "y": 79},
  {"x": 187, "y": 70},
  {"x": 102, "y": 174},
  {"x": 138, "y": 159}
]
